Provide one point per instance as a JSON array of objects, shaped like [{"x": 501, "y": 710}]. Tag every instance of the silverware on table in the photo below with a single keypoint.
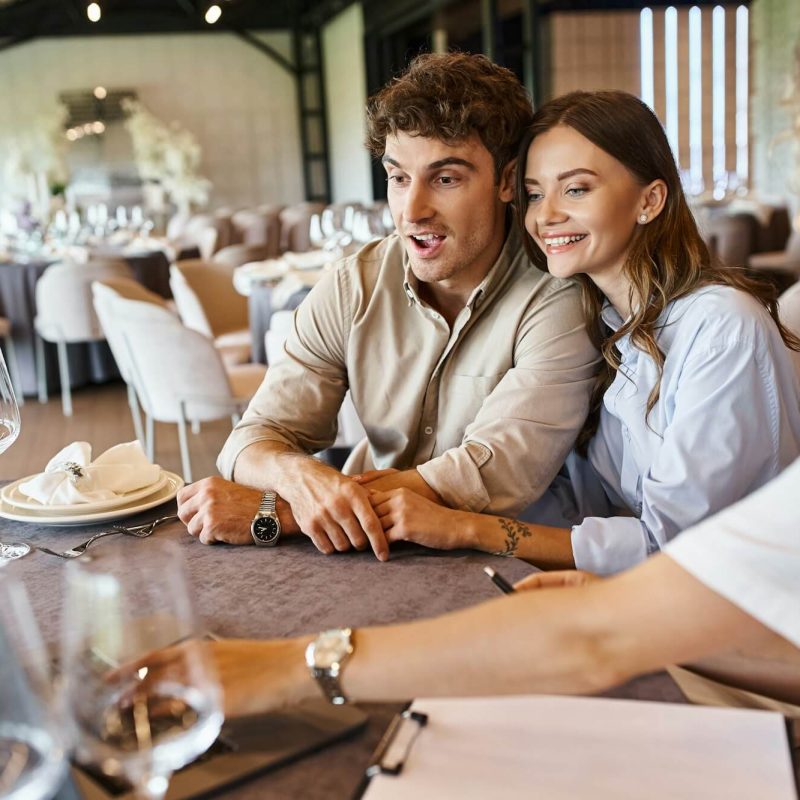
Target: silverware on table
[{"x": 140, "y": 531}]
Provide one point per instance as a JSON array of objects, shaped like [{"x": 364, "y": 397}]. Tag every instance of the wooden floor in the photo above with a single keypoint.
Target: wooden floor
[{"x": 102, "y": 418}]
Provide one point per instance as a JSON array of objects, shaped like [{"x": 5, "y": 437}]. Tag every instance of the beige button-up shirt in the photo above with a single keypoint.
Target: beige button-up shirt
[{"x": 486, "y": 411}]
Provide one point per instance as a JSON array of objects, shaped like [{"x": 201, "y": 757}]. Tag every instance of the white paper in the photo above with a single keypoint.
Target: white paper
[{"x": 567, "y": 748}]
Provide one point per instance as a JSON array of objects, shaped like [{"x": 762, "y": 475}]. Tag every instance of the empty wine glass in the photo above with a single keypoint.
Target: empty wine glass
[
  {"x": 138, "y": 712},
  {"x": 32, "y": 754},
  {"x": 9, "y": 411}
]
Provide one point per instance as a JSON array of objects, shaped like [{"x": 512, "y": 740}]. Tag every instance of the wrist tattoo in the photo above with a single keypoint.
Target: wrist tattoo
[{"x": 514, "y": 531}]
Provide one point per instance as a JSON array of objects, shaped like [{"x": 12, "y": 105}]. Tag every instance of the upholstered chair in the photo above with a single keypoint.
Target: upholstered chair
[{"x": 235, "y": 255}]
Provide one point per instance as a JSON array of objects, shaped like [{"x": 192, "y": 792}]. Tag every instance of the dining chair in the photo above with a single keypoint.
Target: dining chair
[
  {"x": 295, "y": 222},
  {"x": 65, "y": 315},
  {"x": 11, "y": 359},
  {"x": 104, "y": 293},
  {"x": 786, "y": 260},
  {"x": 234, "y": 255},
  {"x": 259, "y": 226},
  {"x": 179, "y": 375},
  {"x": 207, "y": 302},
  {"x": 789, "y": 313}
]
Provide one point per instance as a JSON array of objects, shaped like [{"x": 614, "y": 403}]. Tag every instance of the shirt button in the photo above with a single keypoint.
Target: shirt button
[{"x": 429, "y": 430}]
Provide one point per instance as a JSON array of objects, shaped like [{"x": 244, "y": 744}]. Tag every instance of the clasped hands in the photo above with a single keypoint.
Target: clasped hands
[{"x": 338, "y": 513}]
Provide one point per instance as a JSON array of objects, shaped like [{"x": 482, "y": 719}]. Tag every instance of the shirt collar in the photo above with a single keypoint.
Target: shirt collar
[{"x": 494, "y": 278}]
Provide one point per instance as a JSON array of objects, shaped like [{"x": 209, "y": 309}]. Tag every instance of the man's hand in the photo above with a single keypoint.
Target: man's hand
[
  {"x": 216, "y": 510},
  {"x": 407, "y": 516},
  {"x": 333, "y": 510},
  {"x": 556, "y": 580}
]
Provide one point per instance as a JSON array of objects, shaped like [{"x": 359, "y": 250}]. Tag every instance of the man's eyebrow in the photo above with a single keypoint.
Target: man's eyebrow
[
  {"x": 563, "y": 175},
  {"x": 443, "y": 162}
]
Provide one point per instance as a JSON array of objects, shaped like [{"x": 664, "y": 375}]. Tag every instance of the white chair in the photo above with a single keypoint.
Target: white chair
[
  {"x": 789, "y": 312},
  {"x": 234, "y": 255},
  {"x": 259, "y": 226},
  {"x": 351, "y": 431},
  {"x": 208, "y": 303},
  {"x": 11, "y": 359},
  {"x": 65, "y": 314},
  {"x": 103, "y": 295},
  {"x": 178, "y": 374}
]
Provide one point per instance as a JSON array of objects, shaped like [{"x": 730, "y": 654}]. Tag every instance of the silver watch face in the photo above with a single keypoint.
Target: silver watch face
[
  {"x": 265, "y": 529},
  {"x": 331, "y": 647}
]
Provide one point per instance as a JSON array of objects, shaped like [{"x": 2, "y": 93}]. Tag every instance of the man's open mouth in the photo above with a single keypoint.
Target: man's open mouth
[{"x": 427, "y": 241}]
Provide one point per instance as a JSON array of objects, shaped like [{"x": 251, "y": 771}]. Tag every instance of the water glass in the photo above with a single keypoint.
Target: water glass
[
  {"x": 140, "y": 706},
  {"x": 32, "y": 754},
  {"x": 9, "y": 411}
]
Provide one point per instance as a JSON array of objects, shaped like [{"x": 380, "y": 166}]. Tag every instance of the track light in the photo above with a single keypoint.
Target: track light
[
  {"x": 213, "y": 14},
  {"x": 94, "y": 12}
]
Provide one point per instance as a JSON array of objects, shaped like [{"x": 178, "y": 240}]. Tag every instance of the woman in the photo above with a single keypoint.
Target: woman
[{"x": 697, "y": 405}]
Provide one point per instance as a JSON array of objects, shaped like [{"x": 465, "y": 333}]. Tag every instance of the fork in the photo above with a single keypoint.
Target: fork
[{"x": 140, "y": 531}]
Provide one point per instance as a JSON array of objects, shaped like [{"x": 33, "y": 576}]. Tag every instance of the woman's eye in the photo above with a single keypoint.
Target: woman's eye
[
  {"x": 577, "y": 191},
  {"x": 534, "y": 196}
]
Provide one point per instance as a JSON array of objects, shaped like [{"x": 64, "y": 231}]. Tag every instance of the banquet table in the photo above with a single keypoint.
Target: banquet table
[
  {"x": 289, "y": 590},
  {"x": 91, "y": 362}
]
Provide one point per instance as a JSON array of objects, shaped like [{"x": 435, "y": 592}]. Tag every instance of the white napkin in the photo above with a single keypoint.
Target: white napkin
[{"x": 71, "y": 477}]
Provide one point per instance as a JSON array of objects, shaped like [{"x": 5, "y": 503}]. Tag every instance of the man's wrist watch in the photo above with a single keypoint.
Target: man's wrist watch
[
  {"x": 326, "y": 656},
  {"x": 266, "y": 527}
]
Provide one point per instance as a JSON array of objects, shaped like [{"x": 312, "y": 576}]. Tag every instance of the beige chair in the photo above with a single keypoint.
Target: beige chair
[
  {"x": 208, "y": 303},
  {"x": 789, "y": 312},
  {"x": 235, "y": 255},
  {"x": 65, "y": 314},
  {"x": 295, "y": 221},
  {"x": 103, "y": 296},
  {"x": 259, "y": 226},
  {"x": 11, "y": 359},
  {"x": 178, "y": 374},
  {"x": 785, "y": 261}
]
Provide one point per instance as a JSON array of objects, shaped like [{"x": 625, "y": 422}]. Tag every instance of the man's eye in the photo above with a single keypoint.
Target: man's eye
[
  {"x": 447, "y": 180},
  {"x": 397, "y": 180}
]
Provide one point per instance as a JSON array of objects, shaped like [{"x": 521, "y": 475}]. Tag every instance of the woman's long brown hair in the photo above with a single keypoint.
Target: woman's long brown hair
[{"x": 667, "y": 258}]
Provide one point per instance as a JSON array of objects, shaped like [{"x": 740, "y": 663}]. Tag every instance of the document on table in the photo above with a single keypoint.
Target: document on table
[{"x": 567, "y": 748}]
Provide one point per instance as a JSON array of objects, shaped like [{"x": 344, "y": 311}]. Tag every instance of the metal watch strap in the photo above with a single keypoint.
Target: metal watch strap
[
  {"x": 267, "y": 506},
  {"x": 328, "y": 681}
]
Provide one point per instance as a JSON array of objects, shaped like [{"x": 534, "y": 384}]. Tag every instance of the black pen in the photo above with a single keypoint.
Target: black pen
[{"x": 499, "y": 581}]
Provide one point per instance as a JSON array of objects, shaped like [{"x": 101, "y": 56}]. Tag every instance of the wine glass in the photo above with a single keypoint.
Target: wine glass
[
  {"x": 138, "y": 712},
  {"x": 9, "y": 411},
  {"x": 32, "y": 756}
]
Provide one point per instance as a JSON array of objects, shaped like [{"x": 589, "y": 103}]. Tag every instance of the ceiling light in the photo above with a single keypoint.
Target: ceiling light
[
  {"x": 213, "y": 14},
  {"x": 93, "y": 12},
  {"x": 98, "y": 127},
  {"x": 100, "y": 93}
]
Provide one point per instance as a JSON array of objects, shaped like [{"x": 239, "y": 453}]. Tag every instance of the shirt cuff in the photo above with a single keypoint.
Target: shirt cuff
[
  {"x": 456, "y": 477},
  {"x": 605, "y": 546}
]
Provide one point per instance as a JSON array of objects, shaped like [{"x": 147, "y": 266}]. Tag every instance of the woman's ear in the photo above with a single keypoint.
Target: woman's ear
[
  {"x": 507, "y": 179},
  {"x": 654, "y": 196}
]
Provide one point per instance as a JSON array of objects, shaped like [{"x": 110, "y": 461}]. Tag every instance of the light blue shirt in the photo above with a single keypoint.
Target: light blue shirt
[{"x": 726, "y": 422}]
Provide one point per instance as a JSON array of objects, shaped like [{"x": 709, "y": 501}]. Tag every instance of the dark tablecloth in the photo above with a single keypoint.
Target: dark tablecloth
[
  {"x": 293, "y": 589},
  {"x": 91, "y": 362},
  {"x": 260, "y": 311}
]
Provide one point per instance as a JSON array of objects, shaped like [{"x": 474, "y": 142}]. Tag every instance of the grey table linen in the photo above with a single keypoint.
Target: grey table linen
[{"x": 293, "y": 589}]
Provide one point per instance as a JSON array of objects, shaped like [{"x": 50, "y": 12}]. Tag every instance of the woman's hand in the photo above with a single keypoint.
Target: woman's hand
[
  {"x": 409, "y": 517},
  {"x": 556, "y": 580}
]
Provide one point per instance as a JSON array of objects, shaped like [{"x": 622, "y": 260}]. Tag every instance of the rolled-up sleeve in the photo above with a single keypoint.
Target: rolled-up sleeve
[
  {"x": 526, "y": 426},
  {"x": 721, "y": 443},
  {"x": 298, "y": 401}
]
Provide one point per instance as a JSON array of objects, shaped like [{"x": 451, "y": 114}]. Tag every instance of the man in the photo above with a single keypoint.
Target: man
[{"x": 470, "y": 369}]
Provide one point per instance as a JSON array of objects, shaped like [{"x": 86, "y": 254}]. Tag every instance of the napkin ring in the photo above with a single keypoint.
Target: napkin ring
[{"x": 74, "y": 471}]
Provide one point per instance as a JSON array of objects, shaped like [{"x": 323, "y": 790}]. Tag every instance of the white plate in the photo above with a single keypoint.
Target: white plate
[
  {"x": 171, "y": 488},
  {"x": 14, "y": 497}
]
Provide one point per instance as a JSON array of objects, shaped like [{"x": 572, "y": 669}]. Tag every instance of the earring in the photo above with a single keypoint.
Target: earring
[{"x": 642, "y": 218}]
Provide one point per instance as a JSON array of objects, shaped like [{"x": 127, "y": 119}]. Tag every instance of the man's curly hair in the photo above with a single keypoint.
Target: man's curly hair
[{"x": 450, "y": 96}]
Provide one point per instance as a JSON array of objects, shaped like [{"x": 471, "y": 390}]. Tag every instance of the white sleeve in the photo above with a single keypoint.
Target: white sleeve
[{"x": 750, "y": 554}]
